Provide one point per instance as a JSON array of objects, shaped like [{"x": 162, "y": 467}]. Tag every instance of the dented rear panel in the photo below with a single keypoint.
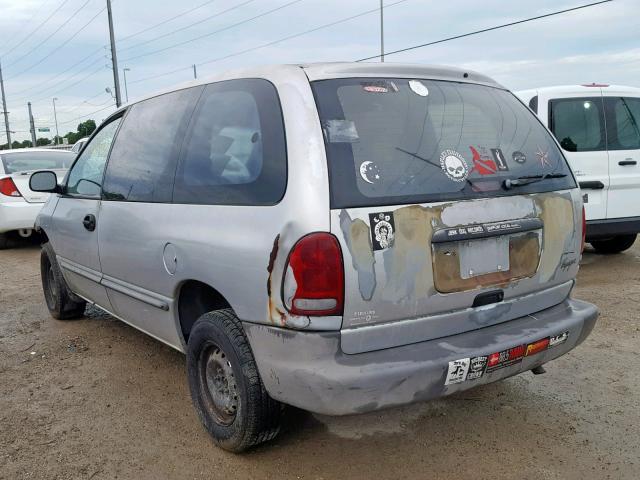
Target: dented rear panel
[{"x": 453, "y": 205}]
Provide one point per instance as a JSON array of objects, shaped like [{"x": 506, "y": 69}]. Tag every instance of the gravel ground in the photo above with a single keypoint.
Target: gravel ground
[{"x": 96, "y": 399}]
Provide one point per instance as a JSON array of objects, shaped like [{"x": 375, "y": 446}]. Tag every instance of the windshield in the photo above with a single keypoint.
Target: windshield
[
  {"x": 394, "y": 141},
  {"x": 25, "y": 161}
]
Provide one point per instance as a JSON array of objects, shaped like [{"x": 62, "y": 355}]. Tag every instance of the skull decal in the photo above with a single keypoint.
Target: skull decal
[{"x": 454, "y": 165}]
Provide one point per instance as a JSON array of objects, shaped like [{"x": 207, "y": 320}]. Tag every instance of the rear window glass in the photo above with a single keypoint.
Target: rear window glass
[
  {"x": 394, "y": 141},
  {"x": 25, "y": 161}
]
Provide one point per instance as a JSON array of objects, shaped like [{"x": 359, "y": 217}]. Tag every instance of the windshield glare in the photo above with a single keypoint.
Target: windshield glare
[
  {"x": 26, "y": 161},
  {"x": 393, "y": 141}
]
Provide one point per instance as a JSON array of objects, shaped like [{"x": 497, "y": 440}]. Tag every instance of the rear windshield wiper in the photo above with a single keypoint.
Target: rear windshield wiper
[{"x": 520, "y": 181}]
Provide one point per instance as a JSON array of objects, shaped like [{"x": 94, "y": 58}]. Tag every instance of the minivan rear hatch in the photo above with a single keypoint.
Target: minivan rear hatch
[{"x": 454, "y": 208}]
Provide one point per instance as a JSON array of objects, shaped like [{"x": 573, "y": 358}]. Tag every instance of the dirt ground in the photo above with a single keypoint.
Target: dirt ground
[{"x": 96, "y": 399}]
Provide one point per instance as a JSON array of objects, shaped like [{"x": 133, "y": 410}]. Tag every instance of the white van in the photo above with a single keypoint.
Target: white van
[{"x": 598, "y": 128}]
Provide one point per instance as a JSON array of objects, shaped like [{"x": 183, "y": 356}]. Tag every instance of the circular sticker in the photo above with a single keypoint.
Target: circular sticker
[
  {"x": 418, "y": 88},
  {"x": 519, "y": 157},
  {"x": 369, "y": 172},
  {"x": 454, "y": 165}
]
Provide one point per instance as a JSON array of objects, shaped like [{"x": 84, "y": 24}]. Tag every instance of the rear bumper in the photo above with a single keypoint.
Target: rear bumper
[
  {"x": 611, "y": 227},
  {"x": 309, "y": 370},
  {"x": 18, "y": 215}
]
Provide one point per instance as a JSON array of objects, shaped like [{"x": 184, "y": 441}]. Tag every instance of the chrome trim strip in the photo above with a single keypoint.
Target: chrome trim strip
[{"x": 136, "y": 292}]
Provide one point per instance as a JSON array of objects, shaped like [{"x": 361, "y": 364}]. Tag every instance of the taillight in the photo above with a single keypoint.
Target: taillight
[
  {"x": 314, "y": 278},
  {"x": 584, "y": 229},
  {"x": 8, "y": 187}
]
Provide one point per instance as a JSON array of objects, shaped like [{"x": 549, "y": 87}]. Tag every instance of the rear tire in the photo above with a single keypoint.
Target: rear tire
[
  {"x": 225, "y": 385},
  {"x": 4, "y": 241},
  {"x": 616, "y": 244},
  {"x": 61, "y": 302}
]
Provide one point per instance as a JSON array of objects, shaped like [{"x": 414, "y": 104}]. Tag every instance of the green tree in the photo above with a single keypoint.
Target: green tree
[
  {"x": 86, "y": 128},
  {"x": 26, "y": 144},
  {"x": 41, "y": 142}
]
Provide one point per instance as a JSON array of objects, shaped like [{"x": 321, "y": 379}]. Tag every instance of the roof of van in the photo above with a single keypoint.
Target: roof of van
[
  {"x": 587, "y": 88},
  {"x": 323, "y": 71}
]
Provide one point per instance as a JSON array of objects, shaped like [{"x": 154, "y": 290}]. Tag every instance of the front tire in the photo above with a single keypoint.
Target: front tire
[
  {"x": 61, "y": 302},
  {"x": 225, "y": 385},
  {"x": 4, "y": 241},
  {"x": 616, "y": 244}
]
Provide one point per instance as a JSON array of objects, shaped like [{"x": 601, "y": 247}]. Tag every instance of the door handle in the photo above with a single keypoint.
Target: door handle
[
  {"x": 627, "y": 162},
  {"x": 89, "y": 222},
  {"x": 596, "y": 185}
]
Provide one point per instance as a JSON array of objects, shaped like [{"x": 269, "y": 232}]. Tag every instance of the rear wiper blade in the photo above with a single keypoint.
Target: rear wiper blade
[{"x": 520, "y": 181}]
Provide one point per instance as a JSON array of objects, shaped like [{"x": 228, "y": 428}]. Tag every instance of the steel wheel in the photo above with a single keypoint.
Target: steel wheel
[{"x": 219, "y": 384}]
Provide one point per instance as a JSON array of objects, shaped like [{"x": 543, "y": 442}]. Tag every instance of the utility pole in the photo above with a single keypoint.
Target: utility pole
[
  {"x": 55, "y": 117},
  {"x": 382, "y": 31},
  {"x": 195, "y": 72},
  {"x": 126, "y": 90},
  {"x": 4, "y": 110},
  {"x": 114, "y": 58},
  {"x": 32, "y": 126}
]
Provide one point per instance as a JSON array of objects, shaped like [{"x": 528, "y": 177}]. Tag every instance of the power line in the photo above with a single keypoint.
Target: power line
[
  {"x": 165, "y": 21},
  {"x": 63, "y": 44},
  {"x": 306, "y": 32},
  {"x": 200, "y": 37},
  {"x": 87, "y": 115},
  {"x": 58, "y": 92},
  {"x": 186, "y": 27},
  {"x": 280, "y": 40},
  {"x": 30, "y": 34},
  {"x": 455, "y": 37},
  {"x": 64, "y": 24},
  {"x": 19, "y": 92}
]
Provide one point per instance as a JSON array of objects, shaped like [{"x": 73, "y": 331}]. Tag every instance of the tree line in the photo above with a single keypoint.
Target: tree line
[{"x": 84, "y": 129}]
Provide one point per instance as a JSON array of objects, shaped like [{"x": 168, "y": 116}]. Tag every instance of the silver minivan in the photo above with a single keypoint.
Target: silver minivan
[{"x": 337, "y": 237}]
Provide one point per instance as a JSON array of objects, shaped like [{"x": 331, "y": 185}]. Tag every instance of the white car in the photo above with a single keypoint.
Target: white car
[
  {"x": 19, "y": 205},
  {"x": 78, "y": 145},
  {"x": 598, "y": 128}
]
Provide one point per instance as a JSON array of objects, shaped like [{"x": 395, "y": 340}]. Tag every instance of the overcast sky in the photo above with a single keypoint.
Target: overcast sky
[{"x": 598, "y": 44}]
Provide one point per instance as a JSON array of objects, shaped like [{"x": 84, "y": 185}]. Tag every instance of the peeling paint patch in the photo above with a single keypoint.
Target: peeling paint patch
[
  {"x": 356, "y": 234},
  {"x": 556, "y": 213}
]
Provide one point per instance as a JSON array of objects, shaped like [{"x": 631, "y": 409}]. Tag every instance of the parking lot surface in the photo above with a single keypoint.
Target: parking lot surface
[{"x": 95, "y": 398}]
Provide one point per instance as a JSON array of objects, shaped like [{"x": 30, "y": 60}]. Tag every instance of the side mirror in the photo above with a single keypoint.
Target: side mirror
[{"x": 44, "y": 181}]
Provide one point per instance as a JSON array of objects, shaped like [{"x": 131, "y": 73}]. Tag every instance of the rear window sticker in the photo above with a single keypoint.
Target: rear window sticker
[
  {"x": 454, "y": 165},
  {"x": 341, "y": 131},
  {"x": 482, "y": 163},
  {"x": 369, "y": 172},
  {"x": 457, "y": 372},
  {"x": 476, "y": 367},
  {"x": 379, "y": 87},
  {"x": 501, "y": 162},
  {"x": 418, "y": 88},
  {"x": 543, "y": 157},
  {"x": 382, "y": 230},
  {"x": 519, "y": 157},
  {"x": 558, "y": 339}
]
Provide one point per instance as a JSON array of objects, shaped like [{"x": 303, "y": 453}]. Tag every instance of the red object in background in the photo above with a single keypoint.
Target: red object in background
[{"x": 8, "y": 187}]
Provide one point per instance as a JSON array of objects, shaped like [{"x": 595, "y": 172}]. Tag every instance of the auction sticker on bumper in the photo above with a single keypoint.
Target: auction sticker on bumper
[{"x": 458, "y": 370}]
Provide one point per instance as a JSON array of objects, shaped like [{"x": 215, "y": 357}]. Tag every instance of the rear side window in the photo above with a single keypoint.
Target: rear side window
[
  {"x": 396, "y": 141},
  {"x": 235, "y": 151},
  {"x": 143, "y": 162},
  {"x": 25, "y": 161},
  {"x": 623, "y": 123},
  {"x": 578, "y": 123}
]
